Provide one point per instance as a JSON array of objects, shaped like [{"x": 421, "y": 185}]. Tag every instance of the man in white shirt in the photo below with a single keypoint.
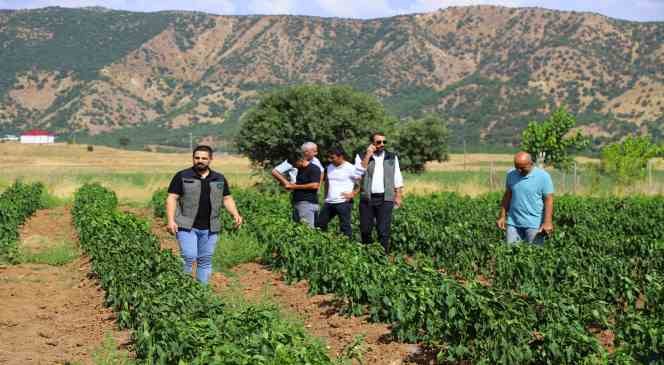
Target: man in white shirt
[
  {"x": 381, "y": 186},
  {"x": 339, "y": 192},
  {"x": 310, "y": 150}
]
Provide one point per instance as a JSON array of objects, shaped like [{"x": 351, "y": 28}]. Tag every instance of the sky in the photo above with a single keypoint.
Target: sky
[{"x": 638, "y": 10}]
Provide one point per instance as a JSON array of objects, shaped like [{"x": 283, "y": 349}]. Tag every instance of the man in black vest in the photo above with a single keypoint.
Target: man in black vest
[
  {"x": 381, "y": 185},
  {"x": 193, "y": 208}
]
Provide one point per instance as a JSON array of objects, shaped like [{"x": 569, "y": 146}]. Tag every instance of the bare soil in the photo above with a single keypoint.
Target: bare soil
[{"x": 52, "y": 315}]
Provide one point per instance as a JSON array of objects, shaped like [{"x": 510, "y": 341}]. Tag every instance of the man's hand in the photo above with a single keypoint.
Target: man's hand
[
  {"x": 397, "y": 201},
  {"x": 238, "y": 220},
  {"x": 172, "y": 227},
  {"x": 349, "y": 195},
  {"x": 289, "y": 186},
  {"x": 501, "y": 223},
  {"x": 547, "y": 227}
]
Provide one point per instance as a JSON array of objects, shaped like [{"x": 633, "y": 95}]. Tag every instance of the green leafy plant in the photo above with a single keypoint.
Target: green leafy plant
[
  {"x": 17, "y": 203},
  {"x": 174, "y": 319}
]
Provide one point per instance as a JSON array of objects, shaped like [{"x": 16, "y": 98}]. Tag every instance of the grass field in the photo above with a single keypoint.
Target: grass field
[{"x": 134, "y": 175}]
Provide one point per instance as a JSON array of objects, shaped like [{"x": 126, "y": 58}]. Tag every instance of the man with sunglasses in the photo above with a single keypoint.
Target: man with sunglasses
[
  {"x": 381, "y": 185},
  {"x": 526, "y": 212}
]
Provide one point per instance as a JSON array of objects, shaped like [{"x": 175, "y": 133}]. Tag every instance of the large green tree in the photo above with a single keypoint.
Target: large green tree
[
  {"x": 327, "y": 115},
  {"x": 422, "y": 140},
  {"x": 553, "y": 139}
]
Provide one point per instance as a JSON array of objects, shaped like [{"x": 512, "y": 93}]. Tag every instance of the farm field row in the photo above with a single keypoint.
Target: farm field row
[{"x": 593, "y": 294}]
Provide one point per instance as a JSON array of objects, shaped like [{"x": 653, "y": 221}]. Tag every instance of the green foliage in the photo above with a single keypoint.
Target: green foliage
[
  {"x": 80, "y": 41},
  {"x": 463, "y": 291},
  {"x": 422, "y": 140},
  {"x": 124, "y": 141},
  {"x": 17, "y": 203},
  {"x": 275, "y": 129},
  {"x": 175, "y": 319},
  {"x": 158, "y": 203},
  {"x": 551, "y": 137},
  {"x": 628, "y": 160},
  {"x": 108, "y": 353},
  {"x": 60, "y": 254}
]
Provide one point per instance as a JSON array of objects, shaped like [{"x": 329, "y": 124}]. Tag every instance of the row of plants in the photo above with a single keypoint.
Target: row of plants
[
  {"x": 17, "y": 203},
  {"x": 605, "y": 258},
  {"x": 174, "y": 319},
  {"x": 597, "y": 273}
]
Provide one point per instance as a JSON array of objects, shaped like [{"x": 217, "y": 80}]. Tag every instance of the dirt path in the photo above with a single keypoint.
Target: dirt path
[
  {"x": 52, "y": 315},
  {"x": 319, "y": 312}
]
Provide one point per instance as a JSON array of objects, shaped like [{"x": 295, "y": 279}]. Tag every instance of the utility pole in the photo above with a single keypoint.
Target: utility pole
[{"x": 191, "y": 141}]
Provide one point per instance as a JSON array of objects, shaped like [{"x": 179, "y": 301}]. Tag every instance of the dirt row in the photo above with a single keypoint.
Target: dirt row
[
  {"x": 55, "y": 314},
  {"x": 52, "y": 314}
]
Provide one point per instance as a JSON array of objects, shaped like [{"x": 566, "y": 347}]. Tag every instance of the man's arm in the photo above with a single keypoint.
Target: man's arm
[
  {"x": 367, "y": 156},
  {"x": 229, "y": 204},
  {"x": 171, "y": 203},
  {"x": 359, "y": 171},
  {"x": 547, "y": 226},
  {"x": 398, "y": 183},
  {"x": 327, "y": 183},
  {"x": 309, "y": 186},
  {"x": 279, "y": 177},
  {"x": 501, "y": 222}
]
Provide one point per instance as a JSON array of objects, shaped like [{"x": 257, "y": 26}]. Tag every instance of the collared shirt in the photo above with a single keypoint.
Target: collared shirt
[
  {"x": 377, "y": 181},
  {"x": 528, "y": 193},
  {"x": 285, "y": 168},
  {"x": 339, "y": 180},
  {"x": 202, "y": 220}
]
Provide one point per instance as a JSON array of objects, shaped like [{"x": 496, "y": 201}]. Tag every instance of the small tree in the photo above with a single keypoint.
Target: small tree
[
  {"x": 551, "y": 139},
  {"x": 124, "y": 141},
  {"x": 422, "y": 140},
  {"x": 327, "y": 115},
  {"x": 628, "y": 160}
]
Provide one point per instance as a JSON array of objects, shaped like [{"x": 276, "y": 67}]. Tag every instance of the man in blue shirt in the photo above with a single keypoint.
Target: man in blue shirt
[{"x": 526, "y": 212}]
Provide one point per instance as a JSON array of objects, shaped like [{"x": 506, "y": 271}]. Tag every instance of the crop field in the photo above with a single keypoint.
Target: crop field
[
  {"x": 451, "y": 292},
  {"x": 593, "y": 294}
]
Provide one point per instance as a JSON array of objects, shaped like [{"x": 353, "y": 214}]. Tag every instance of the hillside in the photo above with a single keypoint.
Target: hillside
[{"x": 157, "y": 77}]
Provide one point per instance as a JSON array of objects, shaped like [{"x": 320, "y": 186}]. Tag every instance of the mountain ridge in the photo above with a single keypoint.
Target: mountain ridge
[{"x": 487, "y": 69}]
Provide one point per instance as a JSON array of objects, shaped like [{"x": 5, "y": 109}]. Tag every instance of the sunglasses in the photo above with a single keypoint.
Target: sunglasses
[{"x": 383, "y": 142}]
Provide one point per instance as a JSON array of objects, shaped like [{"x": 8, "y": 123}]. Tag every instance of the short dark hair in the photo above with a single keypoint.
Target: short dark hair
[
  {"x": 374, "y": 134},
  {"x": 204, "y": 148},
  {"x": 337, "y": 151}
]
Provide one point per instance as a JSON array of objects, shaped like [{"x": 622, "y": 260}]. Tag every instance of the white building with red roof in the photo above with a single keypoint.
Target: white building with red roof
[{"x": 37, "y": 136}]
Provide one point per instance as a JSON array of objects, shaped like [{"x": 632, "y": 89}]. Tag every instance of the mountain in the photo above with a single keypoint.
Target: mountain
[{"x": 156, "y": 77}]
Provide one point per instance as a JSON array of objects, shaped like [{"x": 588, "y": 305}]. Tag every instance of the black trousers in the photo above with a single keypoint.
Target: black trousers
[
  {"x": 376, "y": 213},
  {"x": 343, "y": 210}
]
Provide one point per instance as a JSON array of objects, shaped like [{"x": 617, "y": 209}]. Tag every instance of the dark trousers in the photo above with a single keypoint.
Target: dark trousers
[
  {"x": 343, "y": 210},
  {"x": 376, "y": 213}
]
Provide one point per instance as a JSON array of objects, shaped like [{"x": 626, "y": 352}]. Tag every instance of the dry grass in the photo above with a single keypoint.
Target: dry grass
[{"x": 135, "y": 175}]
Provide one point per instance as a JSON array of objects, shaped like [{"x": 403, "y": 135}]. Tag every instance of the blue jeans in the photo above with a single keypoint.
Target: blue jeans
[
  {"x": 198, "y": 245},
  {"x": 516, "y": 234}
]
